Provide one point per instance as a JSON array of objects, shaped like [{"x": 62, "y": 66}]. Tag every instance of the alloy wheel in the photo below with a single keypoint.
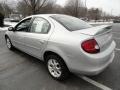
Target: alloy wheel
[
  {"x": 54, "y": 68},
  {"x": 8, "y": 43}
]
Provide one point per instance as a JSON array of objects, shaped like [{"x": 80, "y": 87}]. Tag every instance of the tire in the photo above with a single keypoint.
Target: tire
[
  {"x": 57, "y": 68},
  {"x": 8, "y": 43}
]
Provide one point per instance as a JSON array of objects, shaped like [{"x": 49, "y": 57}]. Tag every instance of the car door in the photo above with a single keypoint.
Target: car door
[
  {"x": 18, "y": 34},
  {"x": 36, "y": 40}
]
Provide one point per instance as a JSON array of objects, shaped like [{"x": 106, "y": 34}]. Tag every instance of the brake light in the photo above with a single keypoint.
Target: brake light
[{"x": 91, "y": 46}]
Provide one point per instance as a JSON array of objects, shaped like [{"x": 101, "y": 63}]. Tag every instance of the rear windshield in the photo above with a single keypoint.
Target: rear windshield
[{"x": 71, "y": 23}]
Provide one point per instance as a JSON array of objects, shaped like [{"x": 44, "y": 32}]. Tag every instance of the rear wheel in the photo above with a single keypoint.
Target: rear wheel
[
  {"x": 57, "y": 68},
  {"x": 8, "y": 43}
]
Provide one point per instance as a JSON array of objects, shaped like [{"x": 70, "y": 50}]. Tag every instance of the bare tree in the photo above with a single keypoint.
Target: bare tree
[
  {"x": 74, "y": 8},
  {"x": 28, "y": 7},
  {"x": 35, "y": 5},
  {"x": 94, "y": 13},
  {"x": 58, "y": 9},
  {"x": 7, "y": 9},
  {"x": 23, "y": 9},
  {"x": 49, "y": 7},
  {"x": 1, "y": 16}
]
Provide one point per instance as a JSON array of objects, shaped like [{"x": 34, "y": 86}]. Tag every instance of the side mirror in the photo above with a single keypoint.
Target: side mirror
[{"x": 11, "y": 29}]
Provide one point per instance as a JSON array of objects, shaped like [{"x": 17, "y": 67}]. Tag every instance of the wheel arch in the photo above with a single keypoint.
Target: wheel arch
[
  {"x": 46, "y": 53},
  {"x": 49, "y": 52},
  {"x": 6, "y": 36}
]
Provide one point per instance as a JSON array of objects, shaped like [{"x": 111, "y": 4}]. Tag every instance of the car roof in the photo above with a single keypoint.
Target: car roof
[{"x": 43, "y": 15}]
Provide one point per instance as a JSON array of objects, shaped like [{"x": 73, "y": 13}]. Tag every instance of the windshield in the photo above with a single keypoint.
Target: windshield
[{"x": 71, "y": 23}]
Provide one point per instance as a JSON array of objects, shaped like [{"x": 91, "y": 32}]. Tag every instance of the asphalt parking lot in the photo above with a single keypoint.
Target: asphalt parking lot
[{"x": 19, "y": 71}]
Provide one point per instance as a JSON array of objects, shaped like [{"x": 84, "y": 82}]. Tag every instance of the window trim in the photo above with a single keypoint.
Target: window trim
[{"x": 40, "y": 32}]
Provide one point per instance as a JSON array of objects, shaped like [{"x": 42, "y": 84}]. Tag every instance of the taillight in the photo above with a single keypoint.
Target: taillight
[{"x": 91, "y": 46}]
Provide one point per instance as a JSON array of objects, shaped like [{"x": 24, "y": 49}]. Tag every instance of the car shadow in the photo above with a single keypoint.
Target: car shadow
[{"x": 72, "y": 83}]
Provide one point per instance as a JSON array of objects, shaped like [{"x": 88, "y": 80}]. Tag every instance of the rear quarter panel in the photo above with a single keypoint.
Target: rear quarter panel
[{"x": 65, "y": 43}]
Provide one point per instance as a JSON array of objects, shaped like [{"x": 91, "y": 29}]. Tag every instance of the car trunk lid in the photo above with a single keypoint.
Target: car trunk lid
[{"x": 102, "y": 34}]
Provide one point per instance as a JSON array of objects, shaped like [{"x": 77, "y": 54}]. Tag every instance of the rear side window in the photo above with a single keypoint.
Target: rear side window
[
  {"x": 40, "y": 25},
  {"x": 71, "y": 23}
]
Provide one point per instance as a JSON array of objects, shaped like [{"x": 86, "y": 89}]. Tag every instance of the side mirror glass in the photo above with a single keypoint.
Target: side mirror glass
[{"x": 10, "y": 29}]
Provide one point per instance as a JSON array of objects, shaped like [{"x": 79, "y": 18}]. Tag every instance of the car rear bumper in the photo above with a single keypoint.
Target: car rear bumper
[
  {"x": 96, "y": 70},
  {"x": 92, "y": 65}
]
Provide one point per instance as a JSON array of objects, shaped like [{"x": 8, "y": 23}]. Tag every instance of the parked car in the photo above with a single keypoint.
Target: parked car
[
  {"x": 15, "y": 17},
  {"x": 116, "y": 21},
  {"x": 65, "y": 43},
  {"x": 84, "y": 19},
  {"x": 7, "y": 19}
]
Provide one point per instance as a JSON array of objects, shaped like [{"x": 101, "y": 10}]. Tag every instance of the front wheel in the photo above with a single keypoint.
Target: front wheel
[
  {"x": 57, "y": 68},
  {"x": 9, "y": 44}
]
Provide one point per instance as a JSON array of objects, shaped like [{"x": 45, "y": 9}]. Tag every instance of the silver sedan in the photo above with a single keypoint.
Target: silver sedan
[{"x": 65, "y": 43}]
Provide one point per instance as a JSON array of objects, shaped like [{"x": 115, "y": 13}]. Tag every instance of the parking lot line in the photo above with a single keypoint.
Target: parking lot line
[
  {"x": 99, "y": 85},
  {"x": 115, "y": 38},
  {"x": 116, "y": 32},
  {"x": 118, "y": 49}
]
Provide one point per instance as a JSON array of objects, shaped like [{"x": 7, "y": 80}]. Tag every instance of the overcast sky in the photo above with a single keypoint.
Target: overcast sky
[{"x": 110, "y": 6}]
